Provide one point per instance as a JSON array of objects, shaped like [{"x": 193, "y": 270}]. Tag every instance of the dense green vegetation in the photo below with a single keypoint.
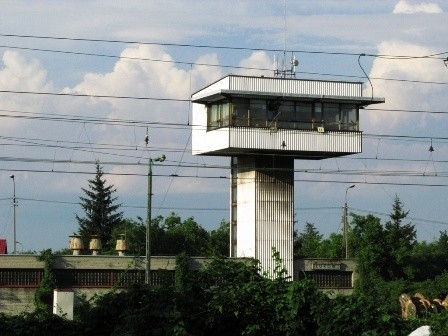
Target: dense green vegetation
[
  {"x": 232, "y": 298},
  {"x": 225, "y": 298},
  {"x": 389, "y": 258}
]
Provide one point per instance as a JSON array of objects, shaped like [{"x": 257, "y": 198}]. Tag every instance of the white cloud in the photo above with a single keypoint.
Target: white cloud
[
  {"x": 403, "y": 7},
  {"x": 406, "y": 94},
  {"x": 143, "y": 71},
  {"x": 258, "y": 60},
  {"x": 20, "y": 74}
]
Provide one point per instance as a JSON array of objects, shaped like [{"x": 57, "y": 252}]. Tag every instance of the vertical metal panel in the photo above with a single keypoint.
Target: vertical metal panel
[
  {"x": 275, "y": 212},
  {"x": 266, "y": 210},
  {"x": 295, "y": 140},
  {"x": 233, "y": 207},
  {"x": 295, "y": 86}
]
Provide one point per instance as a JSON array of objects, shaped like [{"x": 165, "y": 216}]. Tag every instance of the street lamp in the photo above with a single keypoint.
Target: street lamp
[
  {"x": 21, "y": 246},
  {"x": 346, "y": 221},
  {"x": 148, "y": 219},
  {"x": 14, "y": 204}
]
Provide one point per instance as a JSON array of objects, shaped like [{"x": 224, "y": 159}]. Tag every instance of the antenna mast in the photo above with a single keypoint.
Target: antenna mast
[{"x": 285, "y": 73}]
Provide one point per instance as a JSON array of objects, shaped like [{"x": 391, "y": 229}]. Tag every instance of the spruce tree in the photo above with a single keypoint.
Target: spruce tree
[{"x": 100, "y": 211}]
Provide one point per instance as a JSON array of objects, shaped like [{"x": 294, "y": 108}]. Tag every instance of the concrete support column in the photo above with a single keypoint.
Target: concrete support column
[{"x": 264, "y": 209}]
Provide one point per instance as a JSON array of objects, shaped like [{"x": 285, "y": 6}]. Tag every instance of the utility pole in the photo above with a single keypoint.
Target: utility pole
[
  {"x": 148, "y": 219},
  {"x": 346, "y": 221},
  {"x": 14, "y": 204}
]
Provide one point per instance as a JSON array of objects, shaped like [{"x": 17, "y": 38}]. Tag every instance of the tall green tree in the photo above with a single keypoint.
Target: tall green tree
[
  {"x": 430, "y": 259},
  {"x": 184, "y": 236},
  {"x": 399, "y": 240},
  {"x": 366, "y": 241},
  {"x": 101, "y": 212},
  {"x": 308, "y": 242},
  {"x": 220, "y": 240},
  {"x": 332, "y": 247}
]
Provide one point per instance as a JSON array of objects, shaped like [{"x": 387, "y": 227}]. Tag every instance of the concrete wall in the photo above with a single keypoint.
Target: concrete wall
[
  {"x": 329, "y": 266},
  {"x": 17, "y": 298}
]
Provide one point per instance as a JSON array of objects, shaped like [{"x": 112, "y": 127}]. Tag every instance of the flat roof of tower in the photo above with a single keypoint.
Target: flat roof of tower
[{"x": 286, "y": 88}]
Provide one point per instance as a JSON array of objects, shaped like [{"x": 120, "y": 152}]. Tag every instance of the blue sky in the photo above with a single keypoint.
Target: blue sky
[{"x": 52, "y": 159}]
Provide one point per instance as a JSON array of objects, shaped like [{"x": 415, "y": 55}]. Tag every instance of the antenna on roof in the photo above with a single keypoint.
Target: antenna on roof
[{"x": 283, "y": 71}]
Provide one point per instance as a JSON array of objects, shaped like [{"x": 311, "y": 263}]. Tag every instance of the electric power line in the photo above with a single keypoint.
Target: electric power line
[
  {"x": 224, "y": 66},
  {"x": 204, "y": 46}
]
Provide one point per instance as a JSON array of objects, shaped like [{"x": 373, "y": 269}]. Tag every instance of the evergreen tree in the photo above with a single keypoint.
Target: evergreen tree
[
  {"x": 101, "y": 211},
  {"x": 399, "y": 240}
]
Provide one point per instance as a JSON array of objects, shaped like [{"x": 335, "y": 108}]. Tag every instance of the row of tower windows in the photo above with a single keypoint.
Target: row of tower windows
[{"x": 282, "y": 114}]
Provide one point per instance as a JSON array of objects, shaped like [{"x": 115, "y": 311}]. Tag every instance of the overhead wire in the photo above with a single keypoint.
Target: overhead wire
[
  {"x": 209, "y": 46},
  {"x": 187, "y": 100},
  {"x": 191, "y": 63},
  {"x": 221, "y": 177}
]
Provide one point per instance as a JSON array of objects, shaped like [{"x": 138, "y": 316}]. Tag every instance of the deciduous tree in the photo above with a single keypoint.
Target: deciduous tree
[{"x": 308, "y": 242}]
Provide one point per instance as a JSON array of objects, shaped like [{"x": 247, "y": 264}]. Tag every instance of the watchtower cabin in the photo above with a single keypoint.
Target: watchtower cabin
[{"x": 264, "y": 124}]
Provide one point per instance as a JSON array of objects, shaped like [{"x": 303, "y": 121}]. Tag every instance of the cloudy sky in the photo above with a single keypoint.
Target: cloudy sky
[{"x": 85, "y": 81}]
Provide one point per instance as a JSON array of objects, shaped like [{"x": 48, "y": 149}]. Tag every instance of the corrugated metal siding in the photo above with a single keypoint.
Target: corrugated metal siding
[
  {"x": 265, "y": 213},
  {"x": 274, "y": 194},
  {"x": 295, "y": 140},
  {"x": 295, "y": 86}
]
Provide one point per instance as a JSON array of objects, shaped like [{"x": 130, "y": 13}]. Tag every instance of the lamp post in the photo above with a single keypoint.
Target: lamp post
[
  {"x": 14, "y": 204},
  {"x": 346, "y": 221},
  {"x": 148, "y": 219}
]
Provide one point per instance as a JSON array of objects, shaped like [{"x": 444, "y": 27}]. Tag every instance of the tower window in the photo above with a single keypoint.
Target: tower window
[{"x": 282, "y": 114}]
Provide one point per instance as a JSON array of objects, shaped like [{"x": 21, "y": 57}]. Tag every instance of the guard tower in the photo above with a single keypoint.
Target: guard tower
[{"x": 264, "y": 124}]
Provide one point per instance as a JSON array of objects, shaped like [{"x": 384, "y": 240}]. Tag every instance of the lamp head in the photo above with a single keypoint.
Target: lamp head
[
  {"x": 160, "y": 158},
  {"x": 12, "y": 176},
  {"x": 446, "y": 62},
  {"x": 352, "y": 186}
]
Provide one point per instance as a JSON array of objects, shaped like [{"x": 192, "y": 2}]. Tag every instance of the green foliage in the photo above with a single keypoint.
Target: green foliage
[
  {"x": 366, "y": 242},
  {"x": 311, "y": 244},
  {"x": 227, "y": 298},
  {"x": 32, "y": 324},
  {"x": 140, "y": 310},
  {"x": 241, "y": 302},
  {"x": 438, "y": 323},
  {"x": 181, "y": 272},
  {"x": 173, "y": 236},
  {"x": 101, "y": 213},
  {"x": 185, "y": 236},
  {"x": 230, "y": 297},
  {"x": 430, "y": 259},
  {"x": 332, "y": 247},
  {"x": 43, "y": 297},
  {"x": 360, "y": 315},
  {"x": 308, "y": 242},
  {"x": 399, "y": 240},
  {"x": 219, "y": 241}
]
